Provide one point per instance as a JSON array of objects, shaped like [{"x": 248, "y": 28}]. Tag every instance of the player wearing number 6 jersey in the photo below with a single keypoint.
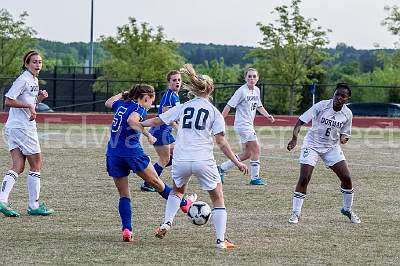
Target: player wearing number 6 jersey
[
  {"x": 199, "y": 121},
  {"x": 247, "y": 101},
  {"x": 331, "y": 125}
]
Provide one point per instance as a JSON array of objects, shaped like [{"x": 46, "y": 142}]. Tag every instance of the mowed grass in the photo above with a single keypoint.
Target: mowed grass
[{"x": 85, "y": 228}]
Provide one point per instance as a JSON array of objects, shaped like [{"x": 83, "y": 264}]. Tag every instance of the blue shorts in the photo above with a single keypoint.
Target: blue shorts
[
  {"x": 164, "y": 137},
  {"x": 122, "y": 166}
]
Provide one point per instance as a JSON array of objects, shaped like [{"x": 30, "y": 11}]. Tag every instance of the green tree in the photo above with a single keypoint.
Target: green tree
[
  {"x": 15, "y": 38},
  {"x": 221, "y": 73},
  {"x": 137, "y": 53},
  {"x": 392, "y": 22},
  {"x": 290, "y": 52}
]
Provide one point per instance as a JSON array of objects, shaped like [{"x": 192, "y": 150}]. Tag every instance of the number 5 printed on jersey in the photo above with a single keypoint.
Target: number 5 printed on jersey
[{"x": 118, "y": 118}]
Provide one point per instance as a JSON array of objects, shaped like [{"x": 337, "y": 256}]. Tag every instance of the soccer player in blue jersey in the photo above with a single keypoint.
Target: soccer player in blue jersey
[
  {"x": 124, "y": 152},
  {"x": 165, "y": 140}
]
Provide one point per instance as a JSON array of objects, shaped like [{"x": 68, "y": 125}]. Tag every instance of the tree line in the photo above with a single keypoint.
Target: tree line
[{"x": 292, "y": 52}]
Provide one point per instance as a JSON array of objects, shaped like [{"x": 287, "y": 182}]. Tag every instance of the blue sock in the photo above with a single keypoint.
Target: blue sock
[
  {"x": 165, "y": 192},
  {"x": 125, "y": 211},
  {"x": 183, "y": 202},
  {"x": 170, "y": 161},
  {"x": 158, "y": 169}
]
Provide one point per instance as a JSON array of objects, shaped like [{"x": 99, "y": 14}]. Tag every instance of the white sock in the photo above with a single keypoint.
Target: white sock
[
  {"x": 33, "y": 184},
  {"x": 254, "y": 169},
  {"x": 8, "y": 182},
  {"x": 298, "y": 199},
  {"x": 219, "y": 217},
  {"x": 225, "y": 166},
  {"x": 347, "y": 198},
  {"x": 171, "y": 207}
]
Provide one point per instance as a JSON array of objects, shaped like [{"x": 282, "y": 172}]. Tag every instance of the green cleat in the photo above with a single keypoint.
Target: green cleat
[
  {"x": 257, "y": 182},
  {"x": 42, "y": 210},
  {"x": 7, "y": 210}
]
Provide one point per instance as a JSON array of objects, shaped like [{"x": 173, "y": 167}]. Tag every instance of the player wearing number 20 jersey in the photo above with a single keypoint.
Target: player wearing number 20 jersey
[{"x": 199, "y": 121}]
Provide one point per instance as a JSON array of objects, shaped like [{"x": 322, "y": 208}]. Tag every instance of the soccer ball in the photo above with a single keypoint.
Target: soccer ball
[{"x": 199, "y": 212}]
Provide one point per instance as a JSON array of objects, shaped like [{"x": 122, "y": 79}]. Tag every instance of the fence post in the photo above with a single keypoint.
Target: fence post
[
  {"x": 73, "y": 91},
  {"x": 54, "y": 86},
  {"x": 262, "y": 93}
]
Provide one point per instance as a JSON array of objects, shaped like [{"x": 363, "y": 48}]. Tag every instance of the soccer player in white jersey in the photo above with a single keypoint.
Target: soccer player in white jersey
[
  {"x": 22, "y": 137},
  {"x": 331, "y": 126},
  {"x": 247, "y": 102},
  {"x": 198, "y": 122}
]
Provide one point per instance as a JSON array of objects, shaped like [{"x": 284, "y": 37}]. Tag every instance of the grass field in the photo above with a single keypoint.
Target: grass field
[{"x": 85, "y": 228}]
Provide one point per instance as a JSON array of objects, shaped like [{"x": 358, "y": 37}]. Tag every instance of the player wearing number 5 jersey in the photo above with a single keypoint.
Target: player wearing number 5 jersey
[
  {"x": 331, "y": 125},
  {"x": 247, "y": 101},
  {"x": 125, "y": 154},
  {"x": 199, "y": 121}
]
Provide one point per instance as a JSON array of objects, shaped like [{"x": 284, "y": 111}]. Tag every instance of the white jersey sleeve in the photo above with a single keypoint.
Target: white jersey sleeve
[
  {"x": 171, "y": 115},
  {"x": 218, "y": 125},
  {"x": 17, "y": 88},
  {"x": 237, "y": 98},
  {"x": 308, "y": 115}
]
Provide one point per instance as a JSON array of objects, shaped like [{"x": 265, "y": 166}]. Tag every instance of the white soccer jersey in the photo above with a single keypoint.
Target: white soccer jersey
[
  {"x": 327, "y": 125},
  {"x": 246, "y": 102},
  {"x": 199, "y": 121},
  {"x": 24, "y": 89}
]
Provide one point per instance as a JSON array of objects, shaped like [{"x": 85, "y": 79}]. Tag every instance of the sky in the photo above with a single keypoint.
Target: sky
[{"x": 354, "y": 22}]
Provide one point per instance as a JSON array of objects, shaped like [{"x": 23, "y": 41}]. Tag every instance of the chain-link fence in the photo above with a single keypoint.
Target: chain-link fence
[{"x": 73, "y": 92}]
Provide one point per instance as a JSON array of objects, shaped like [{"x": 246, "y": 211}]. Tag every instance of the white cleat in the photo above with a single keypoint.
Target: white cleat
[
  {"x": 162, "y": 230},
  {"x": 294, "y": 218},
  {"x": 351, "y": 215}
]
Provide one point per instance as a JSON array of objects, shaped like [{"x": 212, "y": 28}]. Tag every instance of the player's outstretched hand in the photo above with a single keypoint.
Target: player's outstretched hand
[
  {"x": 271, "y": 118},
  {"x": 151, "y": 139},
  {"x": 292, "y": 143},
  {"x": 243, "y": 168}
]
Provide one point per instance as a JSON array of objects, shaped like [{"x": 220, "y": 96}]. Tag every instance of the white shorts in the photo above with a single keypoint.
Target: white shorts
[
  {"x": 330, "y": 158},
  {"x": 26, "y": 141},
  {"x": 205, "y": 171},
  {"x": 246, "y": 135}
]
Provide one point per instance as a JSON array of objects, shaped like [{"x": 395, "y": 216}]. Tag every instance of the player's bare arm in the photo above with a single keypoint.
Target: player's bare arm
[
  {"x": 264, "y": 112},
  {"x": 134, "y": 123},
  {"x": 226, "y": 110},
  {"x": 293, "y": 142},
  {"x": 112, "y": 99}
]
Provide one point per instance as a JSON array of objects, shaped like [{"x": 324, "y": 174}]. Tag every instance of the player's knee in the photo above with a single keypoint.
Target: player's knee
[
  {"x": 346, "y": 182},
  {"x": 163, "y": 162}
]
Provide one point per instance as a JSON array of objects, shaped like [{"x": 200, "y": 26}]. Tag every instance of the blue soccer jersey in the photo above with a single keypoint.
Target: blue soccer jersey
[
  {"x": 169, "y": 99},
  {"x": 125, "y": 141}
]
